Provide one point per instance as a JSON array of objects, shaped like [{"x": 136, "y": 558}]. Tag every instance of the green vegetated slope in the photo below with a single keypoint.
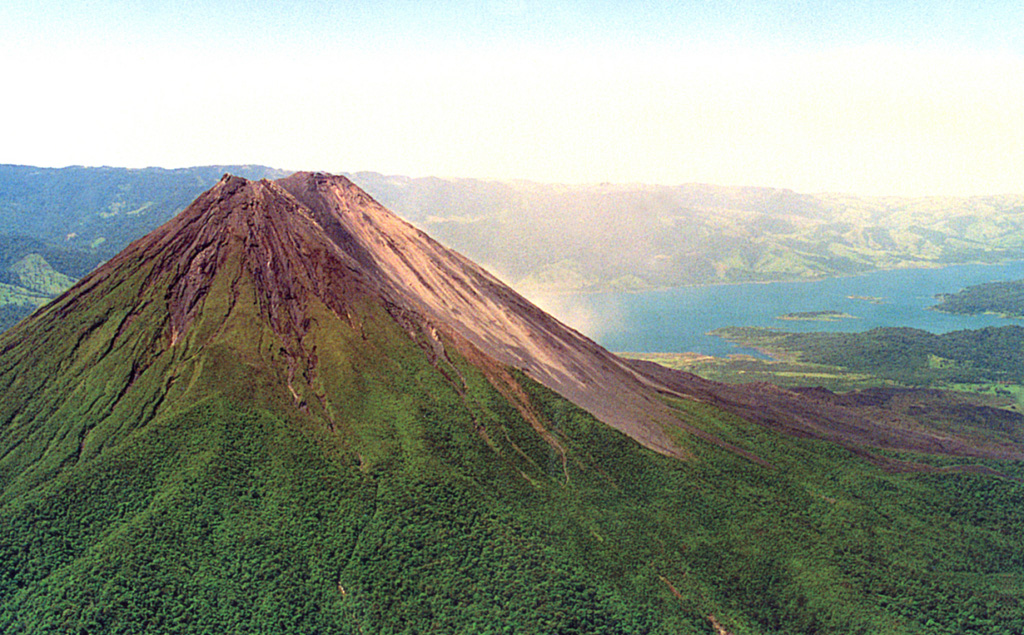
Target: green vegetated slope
[
  {"x": 30, "y": 282},
  {"x": 36, "y": 274},
  {"x": 29, "y": 275},
  {"x": 1004, "y": 298},
  {"x": 910, "y": 357},
  {"x": 215, "y": 485}
]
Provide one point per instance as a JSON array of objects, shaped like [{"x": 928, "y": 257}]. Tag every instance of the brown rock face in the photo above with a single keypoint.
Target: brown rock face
[{"x": 272, "y": 235}]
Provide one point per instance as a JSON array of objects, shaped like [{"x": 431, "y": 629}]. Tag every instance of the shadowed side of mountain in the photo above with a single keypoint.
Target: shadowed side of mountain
[{"x": 155, "y": 327}]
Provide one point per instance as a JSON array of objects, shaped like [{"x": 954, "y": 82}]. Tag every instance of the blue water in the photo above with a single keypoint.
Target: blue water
[{"x": 677, "y": 320}]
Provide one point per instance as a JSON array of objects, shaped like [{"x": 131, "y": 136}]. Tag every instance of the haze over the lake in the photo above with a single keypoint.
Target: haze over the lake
[{"x": 906, "y": 98}]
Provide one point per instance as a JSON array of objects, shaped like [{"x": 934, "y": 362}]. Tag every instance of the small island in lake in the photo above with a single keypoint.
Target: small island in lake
[
  {"x": 871, "y": 299},
  {"x": 816, "y": 316}
]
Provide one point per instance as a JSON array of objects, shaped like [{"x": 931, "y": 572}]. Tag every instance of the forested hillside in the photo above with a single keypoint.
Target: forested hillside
[{"x": 1004, "y": 298}]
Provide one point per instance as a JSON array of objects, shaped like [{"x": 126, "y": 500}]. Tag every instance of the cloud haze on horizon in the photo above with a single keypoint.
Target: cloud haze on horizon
[{"x": 865, "y": 97}]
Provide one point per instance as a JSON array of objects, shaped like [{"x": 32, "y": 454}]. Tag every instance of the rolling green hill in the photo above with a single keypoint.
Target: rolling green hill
[
  {"x": 244, "y": 423},
  {"x": 33, "y": 272}
]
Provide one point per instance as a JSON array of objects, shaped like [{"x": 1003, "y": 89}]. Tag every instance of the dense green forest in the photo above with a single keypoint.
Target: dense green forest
[
  {"x": 1004, "y": 298},
  {"x": 231, "y": 519},
  {"x": 197, "y": 525},
  {"x": 909, "y": 356}
]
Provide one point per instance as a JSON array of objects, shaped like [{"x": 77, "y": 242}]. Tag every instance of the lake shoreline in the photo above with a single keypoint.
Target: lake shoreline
[{"x": 678, "y": 319}]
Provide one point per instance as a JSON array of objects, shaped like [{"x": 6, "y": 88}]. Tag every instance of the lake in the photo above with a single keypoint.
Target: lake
[{"x": 677, "y": 320}]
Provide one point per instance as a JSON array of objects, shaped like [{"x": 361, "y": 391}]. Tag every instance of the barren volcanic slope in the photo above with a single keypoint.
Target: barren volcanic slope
[{"x": 288, "y": 411}]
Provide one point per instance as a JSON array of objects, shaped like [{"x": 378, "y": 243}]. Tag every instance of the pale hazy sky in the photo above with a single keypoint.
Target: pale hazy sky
[{"x": 868, "y": 97}]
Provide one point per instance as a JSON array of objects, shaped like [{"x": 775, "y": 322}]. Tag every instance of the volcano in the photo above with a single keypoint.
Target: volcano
[
  {"x": 287, "y": 410},
  {"x": 291, "y": 256}
]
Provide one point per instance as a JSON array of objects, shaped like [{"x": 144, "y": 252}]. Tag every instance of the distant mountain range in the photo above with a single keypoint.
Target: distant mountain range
[
  {"x": 543, "y": 238},
  {"x": 559, "y": 238},
  {"x": 286, "y": 410}
]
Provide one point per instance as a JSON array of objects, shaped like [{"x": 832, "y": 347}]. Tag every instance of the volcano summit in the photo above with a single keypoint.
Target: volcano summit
[{"x": 287, "y": 410}]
